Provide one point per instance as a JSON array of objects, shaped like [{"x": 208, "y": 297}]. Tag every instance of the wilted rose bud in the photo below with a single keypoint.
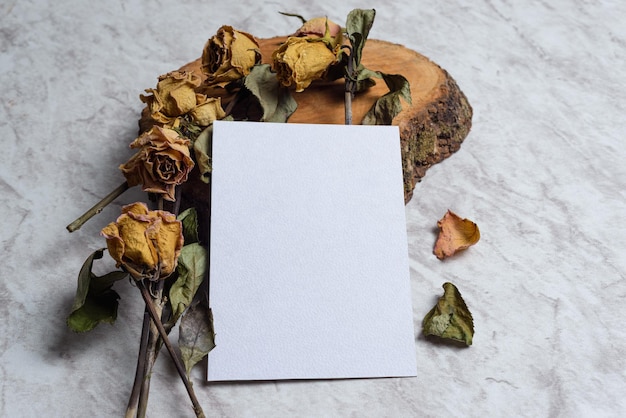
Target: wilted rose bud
[
  {"x": 146, "y": 243},
  {"x": 316, "y": 28},
  {"x": 162, "y": 162},
  {"x": 229, "y": 55},
  {"x": 300, "y": 61},
  {"x": 174, "y": 96}
]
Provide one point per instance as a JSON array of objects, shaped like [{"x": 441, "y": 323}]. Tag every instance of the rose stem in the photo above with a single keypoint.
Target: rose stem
[
  {"x": 131, "y": 410},
  {"x": 350, "y": 86},
  {"x": 152, "y": 348},
  {"x": 348, "y": 104},
  {"x": 151, "y": 355},
  {"x": 97, "y": 208},
  {"x": 177, "y": 195},
  {"x": 179, "y": 367}
]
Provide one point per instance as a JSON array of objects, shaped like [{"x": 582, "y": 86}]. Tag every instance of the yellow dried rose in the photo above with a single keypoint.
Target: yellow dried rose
[
  {"x": 162, "y": 162},
  {"x": 229, "y": 55},
  {"x": 300, "y": 61},
  {"x": 146, "y": 243},
  {"x": 208, "y": 109},
  {"x": 174, "y": 96}
]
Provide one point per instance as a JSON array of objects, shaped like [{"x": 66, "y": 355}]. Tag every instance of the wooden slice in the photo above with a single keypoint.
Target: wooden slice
[{"x": 431, "y": 128}]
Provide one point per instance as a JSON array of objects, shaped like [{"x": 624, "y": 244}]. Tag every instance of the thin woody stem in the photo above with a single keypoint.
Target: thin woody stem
[
  {"x": 348, "y": 105},
  {"x": 151, "y": 349},
  {"x": 97, "y": 208},
  {"x": 131, "y": 409},
  {"x": 151, "y": 352},
  {"x": 350, "y": 85},
  {"x": 145, "y": 293}
]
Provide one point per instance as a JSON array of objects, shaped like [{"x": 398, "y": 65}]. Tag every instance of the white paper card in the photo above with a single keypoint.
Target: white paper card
[{"x": 309, "y": 275}]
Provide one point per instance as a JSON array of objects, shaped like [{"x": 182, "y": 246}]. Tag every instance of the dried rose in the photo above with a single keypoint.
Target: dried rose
[
  {"x": 174, "y": 96},
  {"x": 146, "y": 243},
  {"x": 162, "y": 162},
  {"x": 301, "y": 61},
  {"x": 208, "y": 109},
  {"x": 321, "y": 27},
  {"x": 455, "y": 234},
  {"x": 229, "y": 55}
]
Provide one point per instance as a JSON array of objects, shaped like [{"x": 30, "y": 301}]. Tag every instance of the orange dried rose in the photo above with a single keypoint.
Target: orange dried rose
[
  {"x": 162, "y": 162},
  {"x": 146, "y": 243},
  {"x": 229, "y": 55},
  {"x": 455, "y": 234}
]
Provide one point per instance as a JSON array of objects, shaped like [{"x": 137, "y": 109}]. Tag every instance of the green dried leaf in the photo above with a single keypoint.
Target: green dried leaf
[
  {"x": 95, "y": 309},
  {"x": 388, "y": 106},
  {"x": 275, "y": 100},
  {"x": 196, "y": 337},
  {"x": 95, "y": 301},
  {"x": 364, "y": 79},
  {"x": 450, "y": 318},
  {"x": 84, "y": 278},
  {"x": 100, "y": 284},
  {"x": 358, "y": 25},
  {"x": 202, "y": 152},
  {"x": 189, "y": 219},
  {"x": 192, "y": 265},
  {"x": 202, "y": 146}
]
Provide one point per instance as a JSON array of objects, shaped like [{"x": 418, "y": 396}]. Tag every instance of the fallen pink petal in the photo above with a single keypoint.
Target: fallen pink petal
[{"x": 455, "y": 234}]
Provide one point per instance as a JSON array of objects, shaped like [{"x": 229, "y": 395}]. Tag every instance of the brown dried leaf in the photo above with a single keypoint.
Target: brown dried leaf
[
  {"x": 196, "y": 337},
  {"x": 455, "y": 234},
  {"x": 450, "y": 318}
]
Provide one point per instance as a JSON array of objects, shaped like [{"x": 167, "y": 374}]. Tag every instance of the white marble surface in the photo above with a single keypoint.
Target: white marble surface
[{"x": 542, "y": 173}]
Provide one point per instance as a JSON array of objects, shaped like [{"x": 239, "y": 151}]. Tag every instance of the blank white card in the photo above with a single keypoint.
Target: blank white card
[{"x": 309, "y": 275}]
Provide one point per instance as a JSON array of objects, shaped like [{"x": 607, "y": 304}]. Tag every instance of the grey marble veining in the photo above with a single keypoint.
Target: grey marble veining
[{"x": 542, "y": 173}]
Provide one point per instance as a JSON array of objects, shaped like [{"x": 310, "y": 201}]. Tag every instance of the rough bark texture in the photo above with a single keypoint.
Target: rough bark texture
[
  {"x": 433, "y": 133},
  {"x": 431, "y": 129}
]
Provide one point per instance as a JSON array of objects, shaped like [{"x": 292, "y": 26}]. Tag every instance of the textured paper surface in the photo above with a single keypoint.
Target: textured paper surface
[{"x": 309, "y": 275}]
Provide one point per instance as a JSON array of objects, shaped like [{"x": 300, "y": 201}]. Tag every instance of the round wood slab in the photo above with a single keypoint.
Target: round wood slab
[{"x": 431, "y": 128}]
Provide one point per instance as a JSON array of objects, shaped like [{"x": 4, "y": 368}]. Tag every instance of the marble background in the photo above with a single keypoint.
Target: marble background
[{"x": 542, "y": 173}]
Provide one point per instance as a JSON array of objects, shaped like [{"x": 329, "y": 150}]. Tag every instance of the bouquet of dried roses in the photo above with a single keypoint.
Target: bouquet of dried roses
[{"x": 163, "y": 251}]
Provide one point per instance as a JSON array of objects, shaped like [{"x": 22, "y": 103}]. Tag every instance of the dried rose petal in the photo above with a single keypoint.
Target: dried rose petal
[
  {"x": 208, "y": 110},
  {"x": 316, "y": 28},
  {"x": 455, "y": 234}
]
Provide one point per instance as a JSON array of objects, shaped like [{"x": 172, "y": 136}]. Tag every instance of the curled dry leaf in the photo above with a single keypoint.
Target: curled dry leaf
[
  {"x": 455, "y": 234},
  {"x": 450, "y": 318}
]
